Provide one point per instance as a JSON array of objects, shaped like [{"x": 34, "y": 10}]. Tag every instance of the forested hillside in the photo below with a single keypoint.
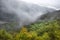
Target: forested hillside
[{"x": 39, "y": 31}]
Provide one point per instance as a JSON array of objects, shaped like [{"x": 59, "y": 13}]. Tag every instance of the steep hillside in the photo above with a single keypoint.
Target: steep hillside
[
  {"x": 50, "y": 16},
  {"x": 39, "y": 31},
  {"x": 21, "y": 13}
]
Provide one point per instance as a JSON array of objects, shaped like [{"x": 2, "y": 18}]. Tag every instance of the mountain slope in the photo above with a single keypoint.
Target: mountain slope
[
  {"x": 51, "y": 16},
  {"x": 22, "y": 9},
  {"x": 20, "y": 12}
]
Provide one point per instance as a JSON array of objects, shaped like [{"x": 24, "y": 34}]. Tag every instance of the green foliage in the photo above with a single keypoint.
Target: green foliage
[
  {"x": 39, "y": 31},
  {"x": 5, "y": 35}
]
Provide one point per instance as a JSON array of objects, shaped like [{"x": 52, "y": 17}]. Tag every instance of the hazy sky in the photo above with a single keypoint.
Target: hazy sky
[{"x": 49, "y": 3}]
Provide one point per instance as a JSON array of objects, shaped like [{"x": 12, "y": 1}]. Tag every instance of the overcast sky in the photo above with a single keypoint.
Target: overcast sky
[{"x": 48, "y": 3}]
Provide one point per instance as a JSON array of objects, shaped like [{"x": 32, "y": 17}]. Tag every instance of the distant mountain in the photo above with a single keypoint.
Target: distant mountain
[{"x": 50, "y": 16}]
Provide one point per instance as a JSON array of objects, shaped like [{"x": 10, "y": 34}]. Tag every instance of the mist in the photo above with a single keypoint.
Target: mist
[
  {"x": 22, "y": 12},
  {"x": 55, "y": 4}
]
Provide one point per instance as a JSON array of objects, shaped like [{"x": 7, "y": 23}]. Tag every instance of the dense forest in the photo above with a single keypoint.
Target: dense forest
[{"x": 49, "y": 30}]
